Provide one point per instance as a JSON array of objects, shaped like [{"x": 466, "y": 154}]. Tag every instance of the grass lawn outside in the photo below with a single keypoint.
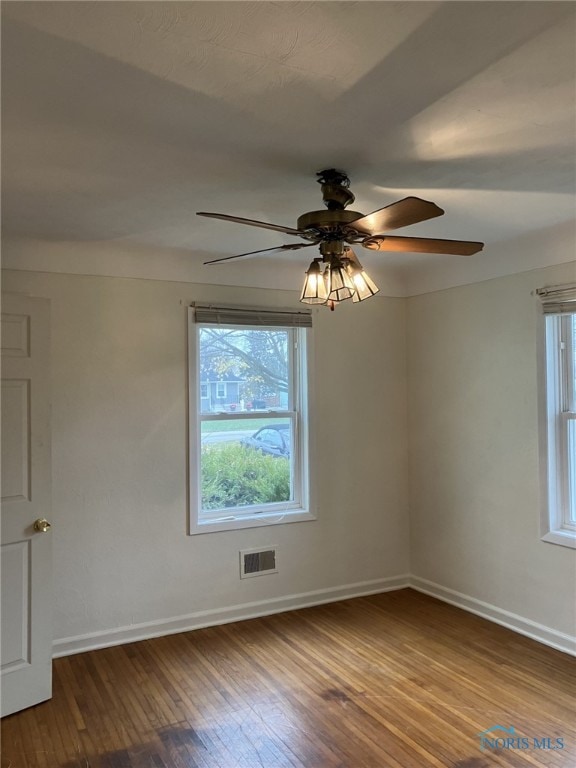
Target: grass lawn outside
[{"x": 239, "y": 425}]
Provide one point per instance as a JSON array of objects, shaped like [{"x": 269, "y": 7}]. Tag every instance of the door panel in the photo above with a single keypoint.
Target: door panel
[
  {"x": 26, "y": 554},
  {"x": 15, "y": 440},
  {"x": 15, "y": 605}
]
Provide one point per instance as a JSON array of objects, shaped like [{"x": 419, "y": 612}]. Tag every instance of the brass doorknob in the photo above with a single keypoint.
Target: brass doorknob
[{"x": 42, "y": 526}]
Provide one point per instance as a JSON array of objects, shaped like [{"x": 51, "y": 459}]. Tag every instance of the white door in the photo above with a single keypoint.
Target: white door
[{"x": 26, "y": 544}]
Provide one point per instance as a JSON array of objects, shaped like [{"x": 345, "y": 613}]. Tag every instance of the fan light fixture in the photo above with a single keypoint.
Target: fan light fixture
[{"x": 343, "y": 278}]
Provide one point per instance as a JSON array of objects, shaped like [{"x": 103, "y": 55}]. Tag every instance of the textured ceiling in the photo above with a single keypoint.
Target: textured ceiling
[{"x": 121, "y": 119}]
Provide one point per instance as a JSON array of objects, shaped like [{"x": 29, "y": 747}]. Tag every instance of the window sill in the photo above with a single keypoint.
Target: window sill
[
  {"x": 234, "y": 523},
  {"x": 563, "y": 538}
]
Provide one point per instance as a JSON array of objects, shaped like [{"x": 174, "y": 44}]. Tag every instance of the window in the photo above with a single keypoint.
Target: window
[
  {"x": 249, "y": 458},
  {"x": 204, "y": 391},
  {"x": 559, "y": 520}
]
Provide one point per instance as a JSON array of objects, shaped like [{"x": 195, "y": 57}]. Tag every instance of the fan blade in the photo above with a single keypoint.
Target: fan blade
[
  {"x": 351, "y": 256},
  {"x": 254, "y": 223},
  {"x": 408, "y": 211},
  {"x": 292, "y": 247},
  {"x": 423, "y": 245}
]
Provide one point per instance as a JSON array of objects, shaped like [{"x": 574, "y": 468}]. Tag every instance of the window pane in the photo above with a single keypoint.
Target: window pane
[
  {"x": 572, "y": 364},
  {"x": 244, "y": 369},
  {"x": 561, "y": 437},
  {"x": 246, "y": 462},
  {"x": 572, "y": 471}
]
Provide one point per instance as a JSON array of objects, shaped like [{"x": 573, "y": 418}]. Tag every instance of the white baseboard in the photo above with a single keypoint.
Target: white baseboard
[
  {"x": 199, "y": 619},
  {"x": 539, "y": 632}
]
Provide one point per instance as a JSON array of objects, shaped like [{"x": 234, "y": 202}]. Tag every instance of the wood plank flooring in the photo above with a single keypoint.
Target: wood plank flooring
[{"x": 398, "y": 680}]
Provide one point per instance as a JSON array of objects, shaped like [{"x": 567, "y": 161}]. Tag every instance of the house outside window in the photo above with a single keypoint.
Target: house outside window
[
  {"x": 559, "y": 514},
  {"x": 249, "y": 458}
]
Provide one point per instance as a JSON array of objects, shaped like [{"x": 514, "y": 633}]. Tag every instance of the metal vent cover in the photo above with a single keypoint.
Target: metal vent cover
[{"x": 257, "y": 562}]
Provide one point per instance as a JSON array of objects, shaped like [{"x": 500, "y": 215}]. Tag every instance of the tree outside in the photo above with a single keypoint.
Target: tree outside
[{"x": 256, "y": 359}]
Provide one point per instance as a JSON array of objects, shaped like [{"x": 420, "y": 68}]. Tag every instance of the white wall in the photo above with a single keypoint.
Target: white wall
[
  {"x": 122, "y": 556},
  {"x": 473, "y": 437}
]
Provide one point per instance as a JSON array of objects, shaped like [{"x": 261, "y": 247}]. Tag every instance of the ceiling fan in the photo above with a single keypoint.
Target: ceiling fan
[{"x": 335, "y": 229}]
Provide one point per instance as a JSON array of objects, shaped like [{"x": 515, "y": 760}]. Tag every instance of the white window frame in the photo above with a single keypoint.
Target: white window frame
[
  {"x": 558, "y": 408},
  {"x": 300, "y": 508}
]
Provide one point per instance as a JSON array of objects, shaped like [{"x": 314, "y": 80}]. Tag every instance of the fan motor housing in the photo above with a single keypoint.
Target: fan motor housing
[{"x": 328, "y": 221}]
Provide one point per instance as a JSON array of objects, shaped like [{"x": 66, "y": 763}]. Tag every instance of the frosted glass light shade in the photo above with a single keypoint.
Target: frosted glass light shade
[
  {"x": 363, "y": 283},
  {"x": 314, "y": 290},
  {"x": 339, "y": 286}
]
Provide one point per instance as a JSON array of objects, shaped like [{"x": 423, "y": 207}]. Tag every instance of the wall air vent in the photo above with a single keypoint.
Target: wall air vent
[{"x": 257, "y": 562}]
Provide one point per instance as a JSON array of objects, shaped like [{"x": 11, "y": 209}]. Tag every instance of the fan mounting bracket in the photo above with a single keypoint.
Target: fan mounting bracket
[
  {"x": 335, "y": 192},
  {"x": 333, "y": 176}
]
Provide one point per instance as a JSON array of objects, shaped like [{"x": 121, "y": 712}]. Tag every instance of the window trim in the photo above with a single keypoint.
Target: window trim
[
  {"x": 285, "y": 512},
  {"x": 554, "y": 528}
]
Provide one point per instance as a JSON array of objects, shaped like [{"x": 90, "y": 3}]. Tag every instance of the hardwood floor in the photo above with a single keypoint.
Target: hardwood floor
[{"x": 397, "y": 680}]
